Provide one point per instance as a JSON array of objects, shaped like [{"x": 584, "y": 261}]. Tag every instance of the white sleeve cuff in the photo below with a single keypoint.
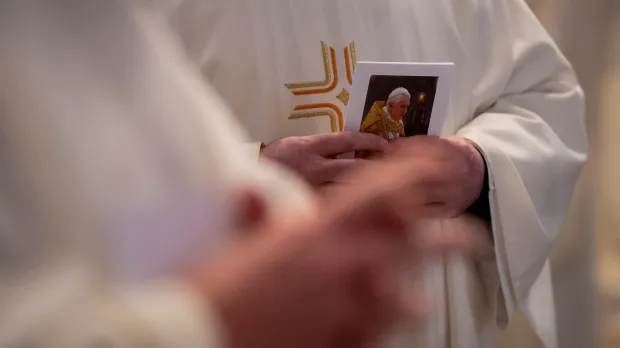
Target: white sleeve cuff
[
  {"x": 176, "y": 316},
  {"x": 253, "y": 149}
]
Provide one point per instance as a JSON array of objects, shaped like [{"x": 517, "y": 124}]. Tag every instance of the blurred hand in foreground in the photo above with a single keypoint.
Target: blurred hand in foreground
[{"x": 330, "y": 278}]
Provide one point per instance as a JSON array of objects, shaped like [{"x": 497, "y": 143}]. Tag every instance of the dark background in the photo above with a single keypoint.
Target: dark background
[{"x": 418, "y": 116}]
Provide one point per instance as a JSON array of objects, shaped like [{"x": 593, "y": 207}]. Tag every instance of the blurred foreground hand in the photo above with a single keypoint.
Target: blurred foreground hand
[{"x": 329, "y": 279}]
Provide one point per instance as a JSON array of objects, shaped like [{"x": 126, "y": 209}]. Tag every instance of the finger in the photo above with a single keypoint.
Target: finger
[
  {"x": 378, "y": 203},
  {"x": 398, "y": 191},
  {"x": 426, "y": 182},
  {"x": 250, "y": 210},
  {"x": 368, "y": 190},
  {"x": 334, "y": 144},
  {"x": 330, "y": 170},
  {"x": 423, "y": 146},
  {"x": 375, "y": 266}
]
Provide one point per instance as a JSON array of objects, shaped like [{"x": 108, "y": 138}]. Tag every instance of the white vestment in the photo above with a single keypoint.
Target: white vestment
[
  {"x": 284, "y": 67},
  {"x": 112, "y": 179}
]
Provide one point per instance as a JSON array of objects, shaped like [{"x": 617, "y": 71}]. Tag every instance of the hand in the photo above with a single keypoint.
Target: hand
[
  {"x": 325, "y": 280},
  {"x": 451, "y": 168},
  {"x": 300, "y": 283},
  {"x": 314, "y": 156}
]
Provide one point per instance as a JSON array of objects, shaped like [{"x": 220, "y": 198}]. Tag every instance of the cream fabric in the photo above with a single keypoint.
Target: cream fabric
[
  {"x": 118, "y": 165},
  {"x": 515, "y": 96}
]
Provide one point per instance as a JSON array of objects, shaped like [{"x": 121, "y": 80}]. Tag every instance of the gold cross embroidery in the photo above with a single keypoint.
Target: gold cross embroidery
[{"x": 325, "y": 86}]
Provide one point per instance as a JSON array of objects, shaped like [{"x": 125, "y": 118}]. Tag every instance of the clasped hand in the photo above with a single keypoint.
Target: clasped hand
[
  {"x": 449, "y": 170},
  {"x": 329, "y": 277}
]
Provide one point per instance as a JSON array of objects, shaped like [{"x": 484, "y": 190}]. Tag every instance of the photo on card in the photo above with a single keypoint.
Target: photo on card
[
  {"x": 396, "y": 100},
  {"x": 398, "y": 106}
]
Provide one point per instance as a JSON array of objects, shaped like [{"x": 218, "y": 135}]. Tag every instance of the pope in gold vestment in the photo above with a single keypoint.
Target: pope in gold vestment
[{"x": 378, "y": 122}]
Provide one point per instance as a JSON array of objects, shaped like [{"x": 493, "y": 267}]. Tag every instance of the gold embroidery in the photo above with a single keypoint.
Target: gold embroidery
[
  {"x": 343, "y": 96},
  {"x": 332, "y": 117},
  {"x": 347, "y": 63},
  {"x": 353, "y": 54},
  {"x": 339, "y": 118},
  {"x": 323, "y": 87},
  {"x": 324, "y": 90},
  {"x": 328, "y": 74}
]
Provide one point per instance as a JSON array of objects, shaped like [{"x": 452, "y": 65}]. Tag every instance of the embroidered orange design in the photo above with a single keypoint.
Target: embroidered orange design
[{"x": 328, "y": 85}]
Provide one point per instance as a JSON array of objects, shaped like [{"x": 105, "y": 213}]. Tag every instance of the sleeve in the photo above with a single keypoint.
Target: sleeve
[
  {"x": 253, "y": 149},
  {"x": 529, "y": 125},
  {"x": 169, "y": 10},
  {"x": 61, "y": 308},
  {"x": 73, "y": 134}
]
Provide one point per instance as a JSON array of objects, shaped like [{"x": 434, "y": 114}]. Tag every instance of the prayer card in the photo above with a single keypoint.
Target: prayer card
[{"x": 397, "y": 100}]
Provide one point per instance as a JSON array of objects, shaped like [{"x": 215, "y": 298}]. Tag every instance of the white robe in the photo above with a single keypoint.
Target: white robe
[
  {"x": 111, "y": 179},
  {"x": 284, "y": 68},
  {"x": 588, "y": 46}
]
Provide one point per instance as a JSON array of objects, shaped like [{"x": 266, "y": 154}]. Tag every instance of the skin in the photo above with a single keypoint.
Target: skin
[
  {"x": 314, "y": 157},
  {"x": 397, "y": 107},
  {"x": 452, "y": 167},
  {"x": 334, "y": 271}
]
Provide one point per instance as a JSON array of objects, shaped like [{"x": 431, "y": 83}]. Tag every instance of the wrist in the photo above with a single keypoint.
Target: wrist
[
  {"x": 479, "y": 168},
  {"x": 473, "y": 163},
  {"x": 480, "y": 207}
]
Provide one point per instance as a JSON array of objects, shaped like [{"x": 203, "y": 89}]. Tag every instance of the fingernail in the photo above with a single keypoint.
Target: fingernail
[{"x": 384, "y": 143}]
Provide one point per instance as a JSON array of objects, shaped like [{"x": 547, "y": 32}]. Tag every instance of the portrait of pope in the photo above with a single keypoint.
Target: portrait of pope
[{"x": 385, "y": 117}]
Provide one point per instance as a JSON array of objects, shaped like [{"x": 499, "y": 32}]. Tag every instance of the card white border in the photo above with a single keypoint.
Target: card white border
[{"x": 361, "y": 80}]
